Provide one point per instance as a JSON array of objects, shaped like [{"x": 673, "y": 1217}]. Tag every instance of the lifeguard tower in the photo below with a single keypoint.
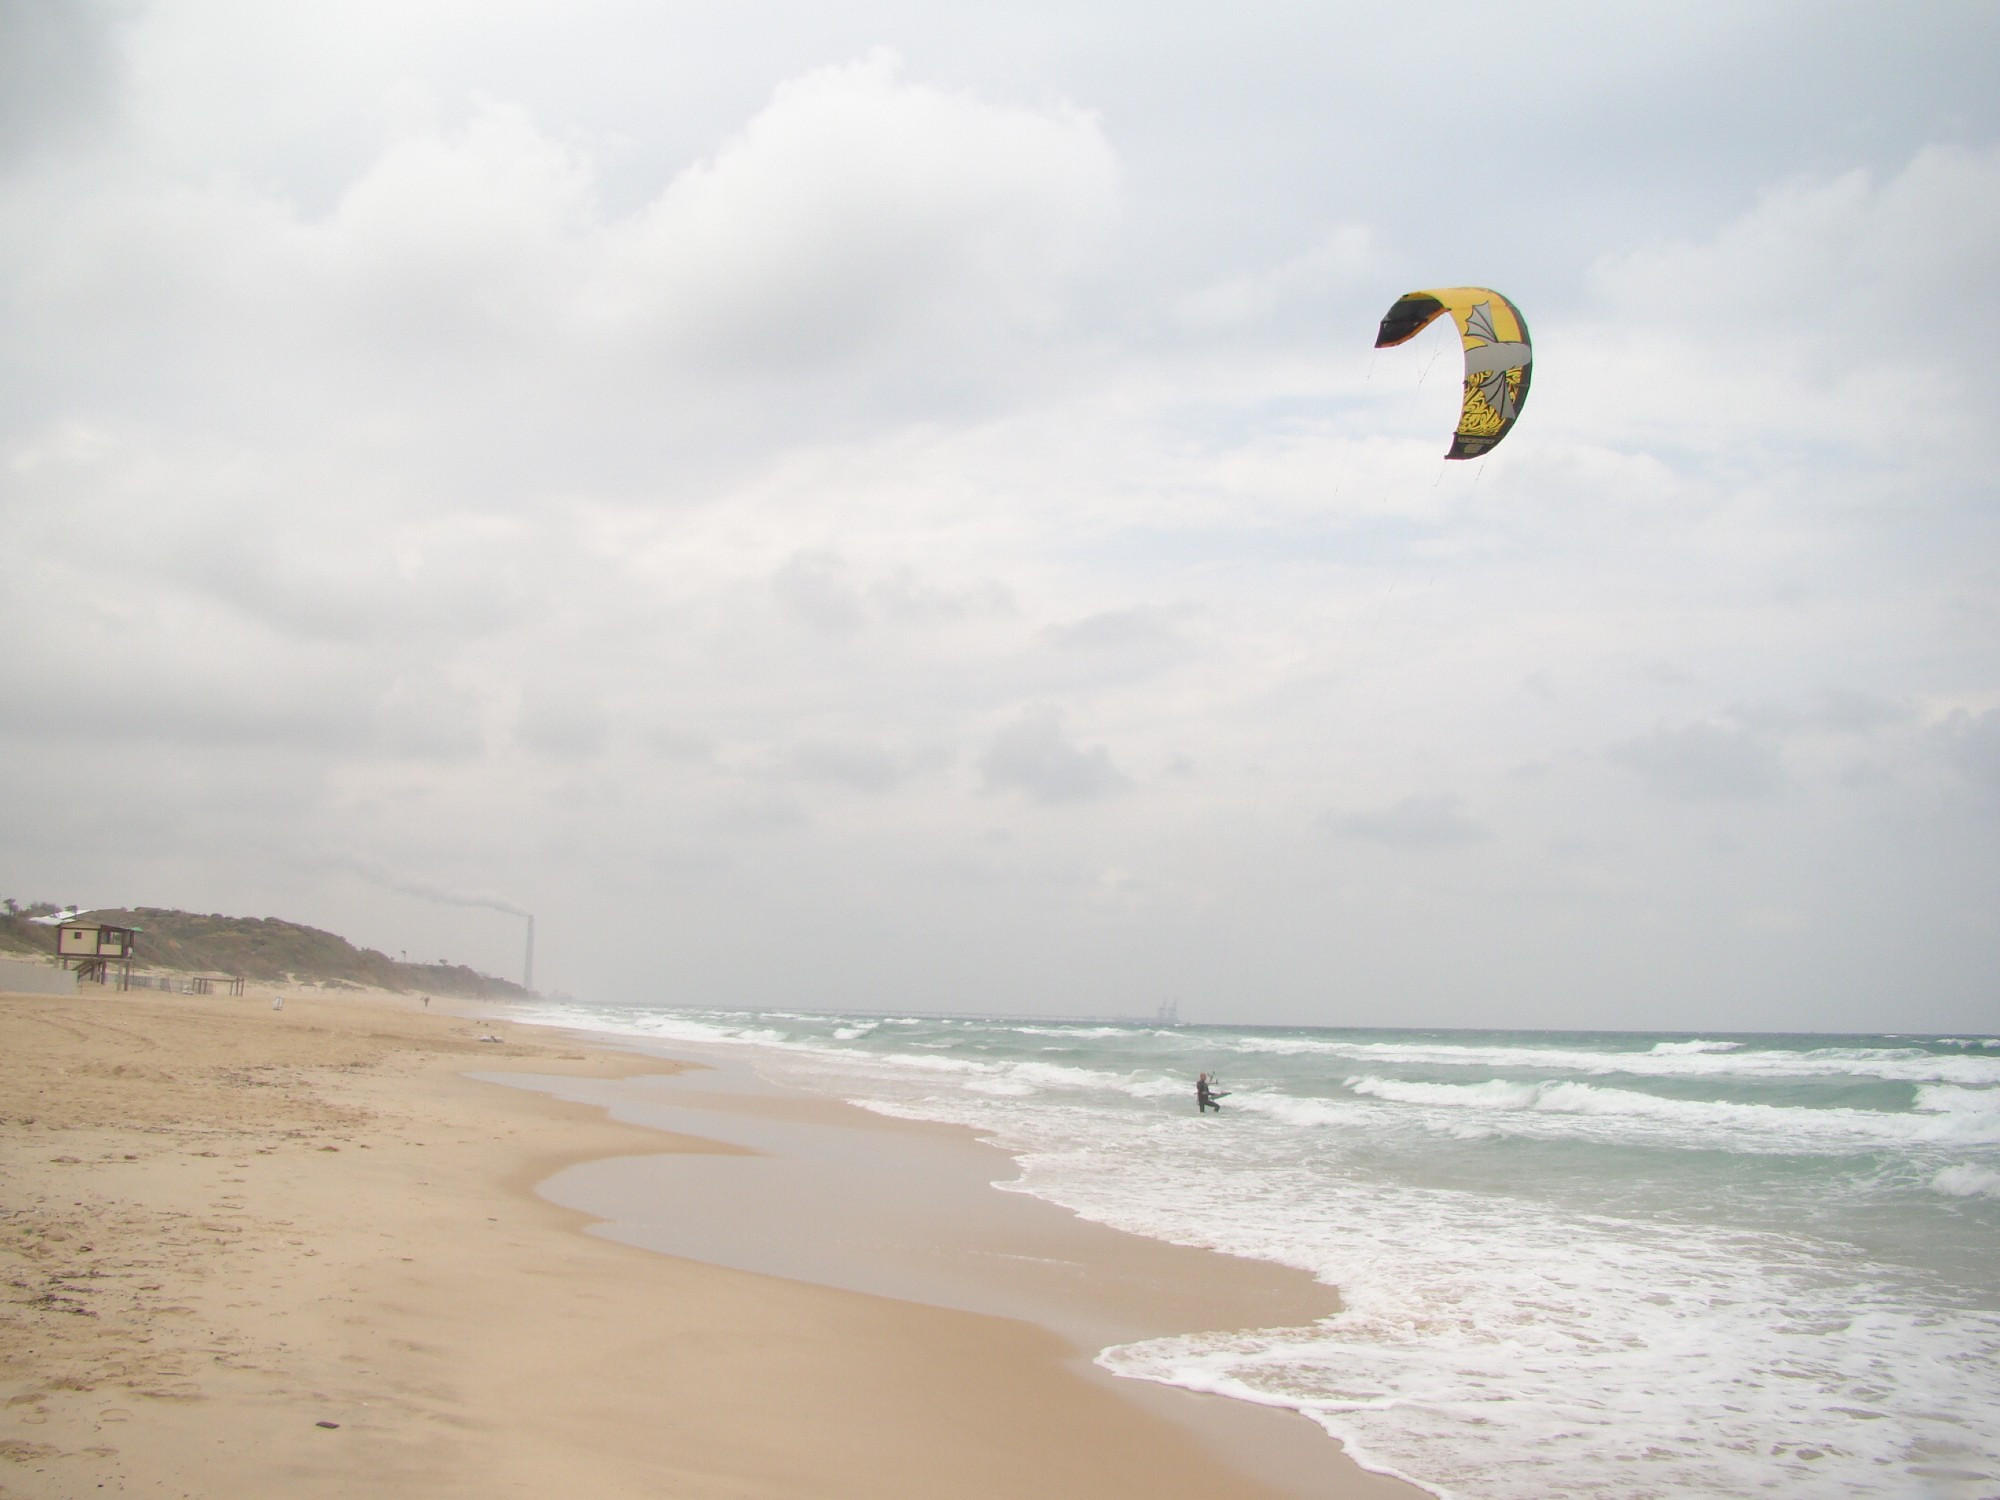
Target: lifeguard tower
[{"x": 91, "y": 948}]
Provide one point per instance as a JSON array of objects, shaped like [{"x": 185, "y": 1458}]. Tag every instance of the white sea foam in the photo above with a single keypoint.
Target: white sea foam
[
  {"x": 1951, "y": 1099},
  {"x": 1295, "y": 1111},
  {"x": 661, "y": 1025},
  {"x": 1967, "y": 1182}
]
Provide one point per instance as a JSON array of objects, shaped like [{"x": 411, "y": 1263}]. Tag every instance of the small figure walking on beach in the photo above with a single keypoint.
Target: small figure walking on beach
[{"x": 1204, "y": 1096}]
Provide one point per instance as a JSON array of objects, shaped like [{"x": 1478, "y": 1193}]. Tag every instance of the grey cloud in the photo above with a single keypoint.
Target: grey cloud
[
  {"x": 219, "y": 800},
  {"x": 674, "y": 742},
  {"x": 1033, "y": 756},
  {"x": 1437, "y": 822},
  {"x": 867, "y": 768},
  {"x": 424, "y": 716},
  {"x": 1866, "y": 774},
  {"x": 905, "y": 597},
  {"x": 57, "y": 70},
  {"x": 1830, "y": 711},
  {"x": 821, "y": 589},
  {"x": 1114, "y": 646},
  {"x": 1145, "y": 632},
  {"x": 563, "y": 719},
  {"x": 813, "y": 588},
  {"x": 136, "y": 670},
  {"x": 859, "y": 765},
  {"x": 1665, "y": 673},
  {"x": 1703, "y": 762},
  {"x": 1972, "y": 741},
  {"x": 347, "y": 587},
  {"x": 756, "y": 813},
  {"x": 282, "y": 719}
]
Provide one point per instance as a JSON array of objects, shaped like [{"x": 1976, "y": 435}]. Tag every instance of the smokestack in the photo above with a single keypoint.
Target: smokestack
[{"x": 528, "y": 967}]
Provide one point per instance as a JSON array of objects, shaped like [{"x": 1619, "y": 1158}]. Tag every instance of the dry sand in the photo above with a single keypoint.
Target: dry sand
[{"x": 255, "y": 1252}]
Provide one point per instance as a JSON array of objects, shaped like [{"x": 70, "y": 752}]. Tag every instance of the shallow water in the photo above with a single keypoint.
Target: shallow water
[{"x": 1573, "y": 1263}]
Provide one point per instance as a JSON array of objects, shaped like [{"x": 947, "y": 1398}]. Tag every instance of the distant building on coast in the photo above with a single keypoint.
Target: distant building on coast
[{"x": 91, "y": 948}]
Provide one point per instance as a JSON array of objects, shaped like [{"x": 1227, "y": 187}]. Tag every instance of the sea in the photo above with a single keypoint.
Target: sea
[{"x": 1603, "y": 1264}]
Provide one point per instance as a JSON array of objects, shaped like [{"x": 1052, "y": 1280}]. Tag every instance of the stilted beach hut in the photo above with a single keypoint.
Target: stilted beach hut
[{"x": 91, "y": 948}]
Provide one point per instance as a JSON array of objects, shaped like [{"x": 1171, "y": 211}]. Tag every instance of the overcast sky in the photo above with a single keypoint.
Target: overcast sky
[{"x": 894, "y": 504}]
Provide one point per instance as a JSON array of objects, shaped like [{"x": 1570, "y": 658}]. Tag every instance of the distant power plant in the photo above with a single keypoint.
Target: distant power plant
[{"x": 380, "y": 874}]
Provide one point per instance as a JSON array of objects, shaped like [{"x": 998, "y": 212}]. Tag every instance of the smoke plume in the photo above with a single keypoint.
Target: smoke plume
[{"x": 381, "y": 875}]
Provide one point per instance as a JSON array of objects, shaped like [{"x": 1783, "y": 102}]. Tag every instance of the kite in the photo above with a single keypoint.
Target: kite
[{"x": 1498, "y": 357}]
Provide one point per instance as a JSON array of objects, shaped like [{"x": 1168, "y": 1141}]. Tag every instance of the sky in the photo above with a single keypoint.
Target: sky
[{"x": 894, "y": 506}]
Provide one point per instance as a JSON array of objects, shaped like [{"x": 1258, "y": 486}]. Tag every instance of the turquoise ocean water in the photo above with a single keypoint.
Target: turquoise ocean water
[{"x": 1573, "y": 1263}]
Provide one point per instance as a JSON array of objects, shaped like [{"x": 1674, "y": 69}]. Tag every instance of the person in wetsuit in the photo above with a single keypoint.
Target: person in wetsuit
[{"x": 1204, "y": 1096}]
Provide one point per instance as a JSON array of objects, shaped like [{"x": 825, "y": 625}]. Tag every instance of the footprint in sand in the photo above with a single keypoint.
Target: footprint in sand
[{"x": 114, "y": 1414}]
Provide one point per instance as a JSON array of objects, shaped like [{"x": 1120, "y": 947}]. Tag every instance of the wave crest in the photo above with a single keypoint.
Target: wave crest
[{"x": 1943, "y": 1113}]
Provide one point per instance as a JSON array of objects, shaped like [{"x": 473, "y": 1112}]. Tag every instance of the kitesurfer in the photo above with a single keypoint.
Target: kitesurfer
[{"x": 1204, "y": 1096}]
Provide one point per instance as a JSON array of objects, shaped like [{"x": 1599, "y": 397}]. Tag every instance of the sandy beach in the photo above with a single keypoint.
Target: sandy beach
[{"x": 251, "y": 1251}]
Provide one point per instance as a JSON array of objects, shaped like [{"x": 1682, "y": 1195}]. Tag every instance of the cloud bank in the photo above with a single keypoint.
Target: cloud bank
[{"x": 843, "y": 511}]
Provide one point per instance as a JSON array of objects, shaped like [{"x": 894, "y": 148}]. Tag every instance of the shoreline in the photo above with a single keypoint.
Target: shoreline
[
  {"x": 853, "y": 1174},
  {"x": 225, "y": 1227}
]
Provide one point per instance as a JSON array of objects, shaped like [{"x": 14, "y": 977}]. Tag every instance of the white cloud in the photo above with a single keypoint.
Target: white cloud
[
  {"x": 857, "y": 210},
  {"x": 470, "y": 290},
  {"x": 1339, "y": 262},
  {"x": 1838, "y": 311},
  {"x": 1876, "y": 267},
  {"x": 469, "y": 236}
]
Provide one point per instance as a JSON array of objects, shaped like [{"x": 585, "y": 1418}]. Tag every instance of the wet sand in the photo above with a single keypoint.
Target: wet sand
[{"x": 301, "y": 1252}]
